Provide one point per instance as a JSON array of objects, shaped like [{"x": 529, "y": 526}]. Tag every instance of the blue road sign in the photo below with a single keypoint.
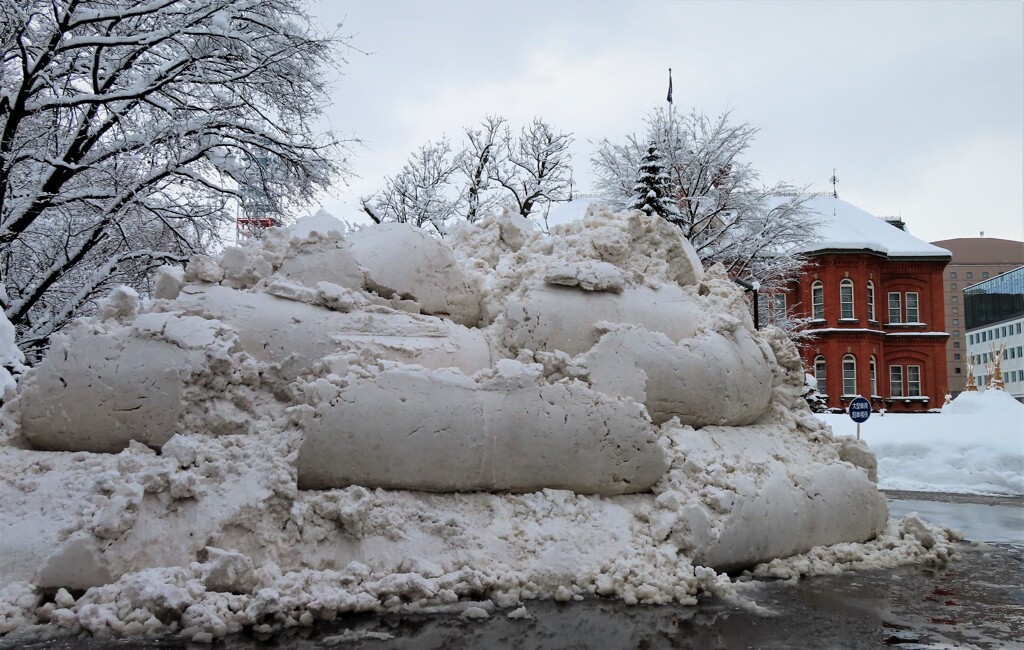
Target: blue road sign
[{"x": 860, "y": 410}]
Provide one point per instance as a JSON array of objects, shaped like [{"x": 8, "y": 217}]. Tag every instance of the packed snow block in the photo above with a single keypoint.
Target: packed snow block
[
  {"x": 330, "y": 260},
  {"x": 296, "y": 334},
  {"x": 97, "y": 392},
  {"x": 752, "y": 494},
  {"x": 401, "y": 260},
  {"x": 439, "y": 431},
  {"x": 552, "y": 317},
  {"x": 676, "y": 380}
]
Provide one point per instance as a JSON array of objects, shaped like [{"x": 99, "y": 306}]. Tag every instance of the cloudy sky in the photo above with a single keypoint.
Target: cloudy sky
[{"x": 918, "y": 105}]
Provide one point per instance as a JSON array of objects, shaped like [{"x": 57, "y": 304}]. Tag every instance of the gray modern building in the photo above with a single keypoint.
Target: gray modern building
[{"x": 995, "y": 325}]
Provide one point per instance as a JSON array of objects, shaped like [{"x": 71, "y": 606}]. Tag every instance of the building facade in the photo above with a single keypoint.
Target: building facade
[
  {"x": 873, "y": 294},
  {"x": 995, "y": 327},
  {"x": 974, "y": 259}
]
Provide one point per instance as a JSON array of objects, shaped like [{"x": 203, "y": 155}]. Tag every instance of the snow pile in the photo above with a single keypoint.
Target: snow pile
[
  {"x": 322, "y": 222},
  {"x": 386, "y": 421},
  {"x": 11, "y": 358},
  {"x": 974, "y": 446}
]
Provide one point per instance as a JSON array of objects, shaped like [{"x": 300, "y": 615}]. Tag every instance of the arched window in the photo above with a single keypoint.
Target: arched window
[
  {"x": 849, "y": 375},
  {"x": 818, "y": 300},
  {"x": 871, "y": 304},
  {"x": 819, "y": 373},
  {"x": 846, "y": 298},
  {"x": 873, "y": 372}
]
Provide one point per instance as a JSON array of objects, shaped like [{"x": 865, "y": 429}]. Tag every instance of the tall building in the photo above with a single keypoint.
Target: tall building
[
  {"x": 974, "y": 259},
  {"x": 873, "y": 294},
  {"x": 995, "y": 328}
]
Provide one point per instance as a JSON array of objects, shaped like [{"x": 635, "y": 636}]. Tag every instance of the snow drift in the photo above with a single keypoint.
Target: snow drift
[{"x": 350, "y": 423}]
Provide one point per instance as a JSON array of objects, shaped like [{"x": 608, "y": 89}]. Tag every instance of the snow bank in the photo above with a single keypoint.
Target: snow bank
[
  {"x": 974, "y": 446},
  {"x": 385, "y": 421}
]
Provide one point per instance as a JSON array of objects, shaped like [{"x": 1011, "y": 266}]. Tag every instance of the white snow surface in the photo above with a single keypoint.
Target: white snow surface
[
  {"x": 295, "y": 430},
  {"x": 975, "y": 445},
  {"x": 844, "y": 226},
  {"x": 322, "y": 222}
]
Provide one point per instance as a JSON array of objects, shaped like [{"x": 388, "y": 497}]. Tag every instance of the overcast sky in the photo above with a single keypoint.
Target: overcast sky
[{"x": 918, "y": 105}]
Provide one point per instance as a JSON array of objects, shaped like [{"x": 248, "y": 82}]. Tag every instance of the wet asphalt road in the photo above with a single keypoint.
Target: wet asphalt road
[{"x": 977, "y": 602}]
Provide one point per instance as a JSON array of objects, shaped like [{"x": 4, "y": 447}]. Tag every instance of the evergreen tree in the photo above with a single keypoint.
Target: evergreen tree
[{"x": 651, "y": 192}]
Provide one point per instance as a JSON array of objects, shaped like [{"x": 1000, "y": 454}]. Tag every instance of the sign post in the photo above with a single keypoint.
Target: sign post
[{"x": 860, "y": 411}]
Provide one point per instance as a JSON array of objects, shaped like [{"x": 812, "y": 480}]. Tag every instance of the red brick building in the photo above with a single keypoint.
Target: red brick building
[{"x": 875, "y": 296}]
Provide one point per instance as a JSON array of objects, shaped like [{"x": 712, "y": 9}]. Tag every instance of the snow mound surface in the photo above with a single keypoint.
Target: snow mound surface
[
  {"x": 975, "y": 445},
  {"x": 332, "y": 423}
]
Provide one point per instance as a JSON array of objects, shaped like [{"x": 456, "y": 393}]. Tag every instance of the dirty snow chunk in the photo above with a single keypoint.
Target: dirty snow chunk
[
  {"x": 475, "y": 612},
  {"x": 296, "y": 335},
  {"x": 10, "y": 357},
  {"x": 168, "y": 282},
  {"x": 121, "y": 305},
  {"x": 244, "y": 266},
  {"x": 549, "y": 318},
  {"x": 589, "y": 276},
  {"x": 229, "y": 571},
  {"x": 520, "y": 614},
  {"x": 202, "y": 268},
  {"x": 327, "y": 260},
  {"x": 401, "y": 260},
  {"x": 451, "y": 434},
  {"x": 97, "y": 394},
  {"x": 673, "y": 380}
]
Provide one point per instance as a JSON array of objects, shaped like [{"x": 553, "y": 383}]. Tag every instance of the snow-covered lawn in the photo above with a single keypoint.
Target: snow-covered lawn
[{"x": 974, "y": 446}]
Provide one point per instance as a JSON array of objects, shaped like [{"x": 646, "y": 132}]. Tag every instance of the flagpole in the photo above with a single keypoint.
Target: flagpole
[{"x": 671, "y": 131}]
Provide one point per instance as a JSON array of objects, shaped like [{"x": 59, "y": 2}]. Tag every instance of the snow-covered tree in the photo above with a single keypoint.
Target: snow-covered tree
[
  {"x": 652, "y": 189},
  {"x": 130, "y": 131},
  {"x": 418, "y": 194},
  {"x": 484, "y": 149},
  {"x": 817, "y": 402},
  {"x": 724, "y": 209},
  {"x": 537, "y": 169},
  {"x": 491, "y": 168}
]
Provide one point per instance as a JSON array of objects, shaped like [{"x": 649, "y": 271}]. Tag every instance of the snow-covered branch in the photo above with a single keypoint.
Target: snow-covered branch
[{"x": 132, "y": 127}]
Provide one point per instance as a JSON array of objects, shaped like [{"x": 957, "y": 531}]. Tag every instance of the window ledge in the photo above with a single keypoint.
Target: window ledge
[
  {"x": 922, "y": 398},
  {"x": 849, "y": 320},
  {"x": 914, "y": 324}
]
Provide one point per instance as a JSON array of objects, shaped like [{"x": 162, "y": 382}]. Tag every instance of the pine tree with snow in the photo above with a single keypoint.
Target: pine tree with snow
[{"x": 652, "y": 190}]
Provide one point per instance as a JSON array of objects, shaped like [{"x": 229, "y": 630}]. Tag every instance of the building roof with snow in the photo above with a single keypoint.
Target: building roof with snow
[{"x": 846, "y": 228}]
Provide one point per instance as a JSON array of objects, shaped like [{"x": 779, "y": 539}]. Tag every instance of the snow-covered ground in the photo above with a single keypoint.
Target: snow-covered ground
[{"x": 974, "y": 446}]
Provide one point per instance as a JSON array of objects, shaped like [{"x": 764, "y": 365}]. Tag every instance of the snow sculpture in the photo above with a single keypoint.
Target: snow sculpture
[
  {"x": 589, "y": 409},
  {"x": 469, "y": 416}
]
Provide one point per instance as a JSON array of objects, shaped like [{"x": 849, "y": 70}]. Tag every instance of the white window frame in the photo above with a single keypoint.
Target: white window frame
[
  {"x": 779, "y": 307},
  {"x": 895, "y": 309},
  {"x": 916, "y": 308},
  {"x": 896, "y": 381},
  {"x": 873, "y": 374},
  {"x": 846, "y": 299},
  {"x": 817, "y": 300},
  {"x": 849, "y": 375},
  {"x": 821, "y": 374},
  {"x": 871, "y": 301},
  {"x": 913, "y": 385}
]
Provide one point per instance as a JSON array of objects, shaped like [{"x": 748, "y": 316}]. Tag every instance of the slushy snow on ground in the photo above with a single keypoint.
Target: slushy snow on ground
[
  {"x": 384, "y": 421},
  {"x": 975, "y": 445}
]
